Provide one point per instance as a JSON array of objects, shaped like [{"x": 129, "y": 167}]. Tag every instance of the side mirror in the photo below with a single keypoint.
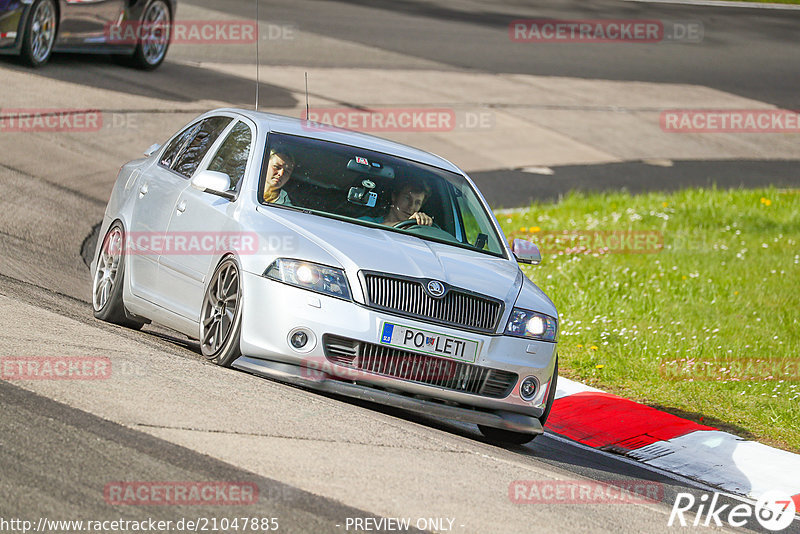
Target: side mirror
[
  {"x": 526, "y": 252},
  {"x": 216, "y": 183},
  {"x": 152, "y": 150}
]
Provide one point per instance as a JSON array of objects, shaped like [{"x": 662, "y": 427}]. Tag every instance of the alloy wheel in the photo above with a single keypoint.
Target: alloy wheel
[
  {"x": 155, "y": 32},
  {"x": 220, "y": 306},
  {"x": 43, "y": 31},
  {"x": 108, "y": 264}
]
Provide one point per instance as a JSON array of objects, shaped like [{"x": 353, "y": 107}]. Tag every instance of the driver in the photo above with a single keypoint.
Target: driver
[
  {"x": 406, "y": 203},
  {"x": 279, "y": 170}
]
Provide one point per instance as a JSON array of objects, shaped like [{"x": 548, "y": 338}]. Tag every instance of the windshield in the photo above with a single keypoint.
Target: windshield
[{"x": 378, "y": 190}]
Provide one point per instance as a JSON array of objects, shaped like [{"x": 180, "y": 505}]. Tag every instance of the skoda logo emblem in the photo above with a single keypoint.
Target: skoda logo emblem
[{"x": 435, "y": 288}]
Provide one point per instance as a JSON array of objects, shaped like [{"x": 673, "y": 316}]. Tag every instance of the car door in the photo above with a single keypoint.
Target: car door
[
  {"x": 158, "y": 190},
  {"x": 205, "y": 224},
  {"x": 88, "y": 21}
]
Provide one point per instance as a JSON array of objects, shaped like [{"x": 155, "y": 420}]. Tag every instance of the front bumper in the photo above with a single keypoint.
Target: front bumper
[
  {"x": 273, "y": 311},
  {"x": 294, "y": 374}
]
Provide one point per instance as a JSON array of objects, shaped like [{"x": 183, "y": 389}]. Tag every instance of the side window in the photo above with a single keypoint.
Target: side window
[
  {"x": 231, "y": 158},
  {"x": 171, "y": 152},
  {"x": 208, "y": 131},
  {"x": 477, "y": 229}
]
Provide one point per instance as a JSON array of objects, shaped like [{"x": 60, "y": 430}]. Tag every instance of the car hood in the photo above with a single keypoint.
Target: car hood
[{"x": 355, "y": 248}]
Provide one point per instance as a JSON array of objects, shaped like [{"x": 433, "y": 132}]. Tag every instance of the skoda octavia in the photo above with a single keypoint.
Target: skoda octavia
[{"x": 335, "y": 261}]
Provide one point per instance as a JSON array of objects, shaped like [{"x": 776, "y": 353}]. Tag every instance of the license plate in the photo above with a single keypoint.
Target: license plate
[{"x": 427, "y": 342}]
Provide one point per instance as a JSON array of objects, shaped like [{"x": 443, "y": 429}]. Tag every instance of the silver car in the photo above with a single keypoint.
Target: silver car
[{"x": 335, "y": 261}]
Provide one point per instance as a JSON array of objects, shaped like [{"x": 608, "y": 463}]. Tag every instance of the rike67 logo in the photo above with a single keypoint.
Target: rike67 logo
[{"x": 774, "y": 511}]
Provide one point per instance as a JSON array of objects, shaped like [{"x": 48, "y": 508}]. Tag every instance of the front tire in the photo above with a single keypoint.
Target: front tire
[
  {"x": 500, "y": 435},
  {"x": 520, "y": 438},
  {"x": 155, "y": 34},
  {"x": 221, "y": 315},
  {"x": 109, "y": 279},
  {"x": 40, "y": 33}
]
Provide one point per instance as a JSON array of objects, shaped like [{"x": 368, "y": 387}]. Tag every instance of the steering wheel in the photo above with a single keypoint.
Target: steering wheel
[{"x": 408, "y": 223}]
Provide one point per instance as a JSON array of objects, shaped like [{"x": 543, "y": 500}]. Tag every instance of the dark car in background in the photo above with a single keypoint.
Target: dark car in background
[{"x": 136, "y": 31}]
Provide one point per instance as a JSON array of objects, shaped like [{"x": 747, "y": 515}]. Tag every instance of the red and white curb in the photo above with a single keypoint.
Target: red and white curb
[{"x": 702, "y": 453}]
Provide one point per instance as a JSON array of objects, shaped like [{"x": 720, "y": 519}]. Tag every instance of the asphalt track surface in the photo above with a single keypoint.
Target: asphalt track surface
[{"x": 317, "y": 460}]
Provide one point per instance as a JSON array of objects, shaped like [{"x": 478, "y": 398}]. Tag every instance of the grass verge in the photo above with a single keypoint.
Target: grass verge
[
  {"x": 702, "y": 322},
  {"x": 795, "y": 2}
]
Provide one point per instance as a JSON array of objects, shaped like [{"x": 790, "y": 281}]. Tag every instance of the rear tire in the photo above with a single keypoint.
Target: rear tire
[
  {"x": 155, "y": 34},
  {"x": 520, "y": 438},
  {"x": 109, "y": 279},
  {"x": 40, "y": 33}
]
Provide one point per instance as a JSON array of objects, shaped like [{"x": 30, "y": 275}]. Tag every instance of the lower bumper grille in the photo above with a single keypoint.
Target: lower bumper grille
[{"x": 419, "y": 368}]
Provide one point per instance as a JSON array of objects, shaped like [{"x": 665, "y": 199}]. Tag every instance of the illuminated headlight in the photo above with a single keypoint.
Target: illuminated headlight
[
  {"x": 312, "y": 276},
  {"x": 524, "y": 323}
]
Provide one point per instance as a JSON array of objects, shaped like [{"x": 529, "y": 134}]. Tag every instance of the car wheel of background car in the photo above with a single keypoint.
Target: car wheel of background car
[
  {"x": 520, "y": 438},
  {"x": 221, "y": 316},
  {"x": 108, "y": 280},
  {"x": 40, "y": 33},
  {"x": 155, "y": 35}
]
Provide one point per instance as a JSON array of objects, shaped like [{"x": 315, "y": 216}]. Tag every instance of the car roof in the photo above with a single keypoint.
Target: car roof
[{"x": 293, "y": 126}]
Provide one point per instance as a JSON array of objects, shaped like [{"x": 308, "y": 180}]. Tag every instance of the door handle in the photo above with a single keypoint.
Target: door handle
[
  {"x": 143, "y": 191},
  {"x": 181, "y": 206}
]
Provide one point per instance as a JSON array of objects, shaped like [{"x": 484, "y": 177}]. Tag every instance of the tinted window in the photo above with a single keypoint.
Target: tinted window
[
  {"x": 231, "y": 158},
  {"x": 177, "y": 144},
  {"x": 193, "y": 154}
]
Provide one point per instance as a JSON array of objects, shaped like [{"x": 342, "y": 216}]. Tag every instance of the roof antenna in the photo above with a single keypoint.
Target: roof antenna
[
  {"x": 258, "y": 63},
  {"x": 308, "y": 115}
]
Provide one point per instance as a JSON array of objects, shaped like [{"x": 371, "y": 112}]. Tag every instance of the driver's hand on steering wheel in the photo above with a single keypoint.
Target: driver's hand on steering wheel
[{"x": 422, "y": 219}]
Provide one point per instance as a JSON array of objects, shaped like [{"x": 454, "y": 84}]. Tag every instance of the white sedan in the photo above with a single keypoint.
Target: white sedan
[{"x": 331, "y": 260}]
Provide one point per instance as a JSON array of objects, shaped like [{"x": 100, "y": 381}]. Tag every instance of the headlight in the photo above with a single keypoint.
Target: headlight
[
  {"x": 312, "y": 276},
  {"x": 524, "y": 323}
]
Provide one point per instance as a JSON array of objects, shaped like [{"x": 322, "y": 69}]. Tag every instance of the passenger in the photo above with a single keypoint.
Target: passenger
[
  {"x": 406, "y": 203},
  {"x": 279, "y": 170}
]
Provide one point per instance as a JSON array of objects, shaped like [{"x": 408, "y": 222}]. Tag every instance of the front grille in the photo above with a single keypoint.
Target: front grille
[
  {"x": 419, "y": 368},
  {"x": 458, "y": 307}
]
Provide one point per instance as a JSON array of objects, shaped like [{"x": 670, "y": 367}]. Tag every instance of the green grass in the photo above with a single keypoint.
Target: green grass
[
  {"x": 796, "y": 2},
  {"x": 724, "y": 288}
]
